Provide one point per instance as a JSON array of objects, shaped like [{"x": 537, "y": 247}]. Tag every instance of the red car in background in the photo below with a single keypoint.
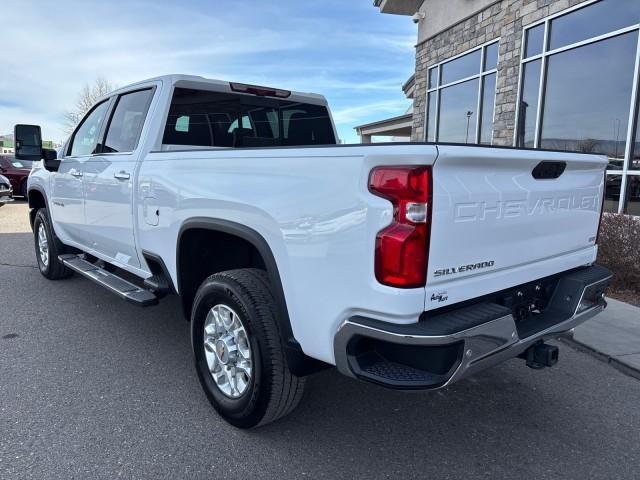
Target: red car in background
[{"x": 17, "y": 172}]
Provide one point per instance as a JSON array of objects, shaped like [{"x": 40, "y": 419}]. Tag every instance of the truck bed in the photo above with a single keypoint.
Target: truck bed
[{"x": 313, "y": 207}]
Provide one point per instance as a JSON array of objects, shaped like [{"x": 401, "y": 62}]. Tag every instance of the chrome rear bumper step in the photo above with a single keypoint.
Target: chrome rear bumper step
[
  {"x": 112, "y": 282},
  {"x": 440, "y": 350}
]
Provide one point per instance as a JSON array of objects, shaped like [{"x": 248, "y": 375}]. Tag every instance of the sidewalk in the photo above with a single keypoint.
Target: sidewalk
[{"x": 613, "y": 336}]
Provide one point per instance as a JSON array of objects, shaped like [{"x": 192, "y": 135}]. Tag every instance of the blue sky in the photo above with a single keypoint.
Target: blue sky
[{"x": 344, "y": 49}]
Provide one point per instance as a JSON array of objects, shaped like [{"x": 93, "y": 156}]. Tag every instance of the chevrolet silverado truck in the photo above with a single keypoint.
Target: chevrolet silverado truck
[{"x": 411, "y": 266}]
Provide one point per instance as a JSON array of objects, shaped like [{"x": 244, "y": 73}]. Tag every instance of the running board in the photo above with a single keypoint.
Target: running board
[{"x": 124, "y": 289}]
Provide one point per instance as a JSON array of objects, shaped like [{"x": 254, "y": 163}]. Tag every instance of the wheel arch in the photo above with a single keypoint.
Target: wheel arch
[
  {"x": 299, "y": 363},
  {"x": 37, "y": 199}
]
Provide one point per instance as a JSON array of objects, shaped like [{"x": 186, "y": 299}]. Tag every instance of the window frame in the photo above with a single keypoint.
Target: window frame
[
  {"x": 623, "y": 190},
  {"x": 544, "y": 58},
  {"x": 111, "y": 112},
  {"x": 480, "y": 76}
]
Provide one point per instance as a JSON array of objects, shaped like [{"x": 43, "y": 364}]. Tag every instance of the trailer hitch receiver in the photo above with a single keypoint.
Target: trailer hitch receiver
[{"x": 541, "y": 355}]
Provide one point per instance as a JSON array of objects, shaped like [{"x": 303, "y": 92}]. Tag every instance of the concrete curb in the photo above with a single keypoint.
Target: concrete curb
[{"x": 603, "y": 357}]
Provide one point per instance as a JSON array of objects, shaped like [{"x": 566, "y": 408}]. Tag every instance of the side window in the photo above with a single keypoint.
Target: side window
[
  {"x": 85, "y": 139},
  {"x": 127, "y": 120}
]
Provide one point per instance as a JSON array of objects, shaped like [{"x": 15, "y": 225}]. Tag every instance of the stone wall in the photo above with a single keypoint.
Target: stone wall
[
  {"x": 505, "y": 20},
  {"x": 441, "y": 14}
]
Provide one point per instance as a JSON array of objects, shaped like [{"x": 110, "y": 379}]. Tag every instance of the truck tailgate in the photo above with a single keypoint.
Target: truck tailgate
[{"x": 491, "y": 216}]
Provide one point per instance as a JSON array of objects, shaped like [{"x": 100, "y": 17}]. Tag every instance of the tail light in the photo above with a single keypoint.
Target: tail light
[{"x": 402, "y": 248}]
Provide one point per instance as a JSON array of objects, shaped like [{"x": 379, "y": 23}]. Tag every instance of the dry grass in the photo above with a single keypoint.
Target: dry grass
[{"x": 619, "y": 251}]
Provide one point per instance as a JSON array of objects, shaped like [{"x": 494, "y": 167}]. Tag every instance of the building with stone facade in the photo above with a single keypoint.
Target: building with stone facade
[{"x": 556, "y": 74}]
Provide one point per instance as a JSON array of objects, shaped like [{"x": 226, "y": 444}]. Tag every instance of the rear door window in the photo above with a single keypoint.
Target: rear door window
[
  {"x": 213, "y": 119},
  {"x": 127, "y": 120}
]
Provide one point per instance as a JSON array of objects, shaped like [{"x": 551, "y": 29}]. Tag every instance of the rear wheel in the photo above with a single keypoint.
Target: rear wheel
[
  {"x": 48, "y": 247},
  {"x": 238, "y": 350}
]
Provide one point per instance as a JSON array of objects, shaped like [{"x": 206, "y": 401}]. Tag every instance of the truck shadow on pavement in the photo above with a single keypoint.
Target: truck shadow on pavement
[{"x": 117, "y": 382}]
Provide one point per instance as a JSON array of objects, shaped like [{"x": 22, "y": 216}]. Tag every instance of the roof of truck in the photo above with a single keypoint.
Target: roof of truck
[{"x": 196, "y": 81}]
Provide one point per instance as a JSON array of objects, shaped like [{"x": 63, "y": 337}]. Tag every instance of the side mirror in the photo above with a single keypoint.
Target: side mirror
[
  {"x": 50, "y": 159},
  {"x": 28, "y": 142}
]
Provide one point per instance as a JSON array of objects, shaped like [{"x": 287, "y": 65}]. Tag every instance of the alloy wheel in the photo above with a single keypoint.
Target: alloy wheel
[
  {"x": 227, "y": 351},
  {"x": 43, "y": 245}
]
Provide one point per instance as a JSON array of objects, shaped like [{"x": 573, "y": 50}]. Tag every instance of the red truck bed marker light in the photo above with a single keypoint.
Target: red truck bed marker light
[{"x": 402, "y": 247}]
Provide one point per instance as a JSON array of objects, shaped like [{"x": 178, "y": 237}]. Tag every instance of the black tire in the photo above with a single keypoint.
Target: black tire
[
  {"x": 273, "y": 391},
  {"x": 23, "y": 190},
  {"x": 54, "y": 269}
]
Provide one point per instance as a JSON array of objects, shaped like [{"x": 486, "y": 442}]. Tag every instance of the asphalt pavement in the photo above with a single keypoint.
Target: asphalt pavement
[{"x": 92, "y": 387}]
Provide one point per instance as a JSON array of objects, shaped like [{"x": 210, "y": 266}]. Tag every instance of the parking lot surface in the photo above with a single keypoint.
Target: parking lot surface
[{"x": 92, "y": 387}]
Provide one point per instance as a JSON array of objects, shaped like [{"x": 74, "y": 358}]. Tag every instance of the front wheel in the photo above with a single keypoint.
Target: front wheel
[
  {"x": 48, "y": 247},
  {"x": 238, "y": 350}
]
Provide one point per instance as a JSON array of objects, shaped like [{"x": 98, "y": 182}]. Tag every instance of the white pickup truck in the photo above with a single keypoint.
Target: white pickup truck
[{"x": 407, "y": 265}]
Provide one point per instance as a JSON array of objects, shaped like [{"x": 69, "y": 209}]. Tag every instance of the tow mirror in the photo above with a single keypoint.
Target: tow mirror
[
  {"x": 28, "y": 142},
  {"x": 50, "y": 159}
]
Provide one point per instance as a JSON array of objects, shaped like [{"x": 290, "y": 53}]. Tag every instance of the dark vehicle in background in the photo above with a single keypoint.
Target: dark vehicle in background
[
  {"x": 17, "y": 172},
  {"x": 6, "y": 193}
]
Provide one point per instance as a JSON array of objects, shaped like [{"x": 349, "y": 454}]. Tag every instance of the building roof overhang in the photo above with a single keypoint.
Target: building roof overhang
[
  {"x": 395, "y": 126},
  {"x": 398, "y": 7}
]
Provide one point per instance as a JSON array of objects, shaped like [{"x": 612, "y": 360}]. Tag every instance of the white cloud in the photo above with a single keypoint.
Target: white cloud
[
  {"x": 359, "y": 113},
  {"x": 51, "y": 49}
]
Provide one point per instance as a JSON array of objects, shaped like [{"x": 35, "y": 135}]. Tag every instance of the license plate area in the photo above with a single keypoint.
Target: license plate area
[{"x": 529, "y": 300}]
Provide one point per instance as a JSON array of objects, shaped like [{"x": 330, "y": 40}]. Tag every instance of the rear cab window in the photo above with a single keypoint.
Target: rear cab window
[{"x": 215, "y": 119}]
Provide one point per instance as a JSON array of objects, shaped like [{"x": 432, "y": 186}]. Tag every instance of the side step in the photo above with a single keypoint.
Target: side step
[
  {"x": 124, "y": 289},
  {"x": 158, "y": 285}
]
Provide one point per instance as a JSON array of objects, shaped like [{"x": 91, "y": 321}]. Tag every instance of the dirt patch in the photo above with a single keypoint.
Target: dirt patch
[{"x": 628, "y": 296}]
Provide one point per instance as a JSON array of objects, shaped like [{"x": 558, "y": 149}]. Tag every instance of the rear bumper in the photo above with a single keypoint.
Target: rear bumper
[{"x": 442, "y": 349}]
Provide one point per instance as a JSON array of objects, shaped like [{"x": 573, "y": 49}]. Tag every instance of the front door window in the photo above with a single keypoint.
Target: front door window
[{"x": 85, "y": 139}]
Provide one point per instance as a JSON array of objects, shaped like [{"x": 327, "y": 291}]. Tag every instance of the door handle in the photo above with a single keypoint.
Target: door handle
[
  {"x": 75, "y": 173},
  {"x": 122, "y": 175}
]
